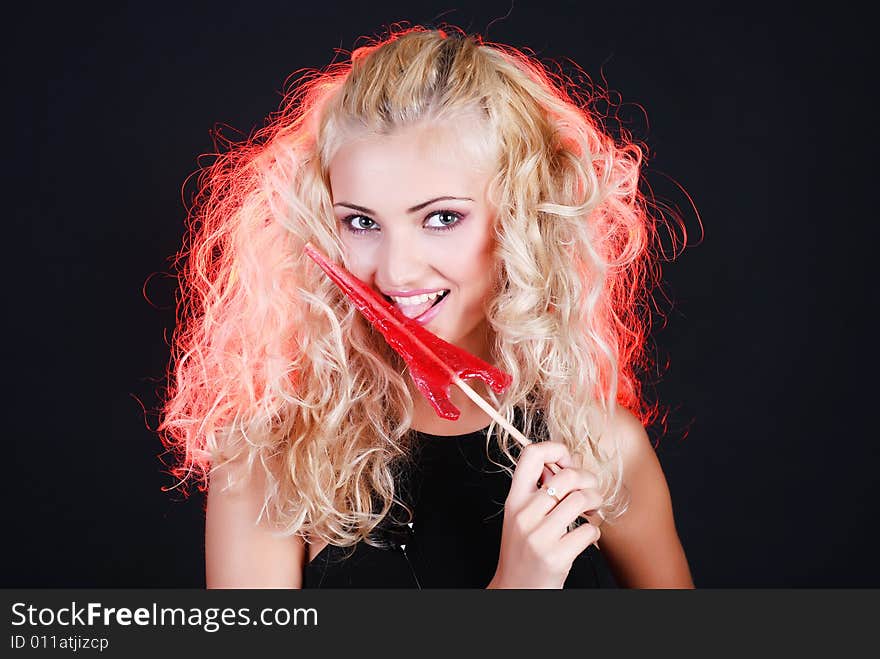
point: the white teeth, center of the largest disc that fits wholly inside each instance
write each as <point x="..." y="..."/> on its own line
<point x="415" y="299"/>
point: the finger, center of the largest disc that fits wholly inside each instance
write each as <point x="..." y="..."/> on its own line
<point x="567" y="480"/>
<point x="570" y="508"/>
<point x="575" y="542"/>
<point x="595" y="517"/>
<point x="576" y="460"/>
<point x="571" y="478"/>
<point x="530" y="467"/>
<point x="546" y="474"/>
<point x="555" y="489"/>
<point x="541" y="502"/>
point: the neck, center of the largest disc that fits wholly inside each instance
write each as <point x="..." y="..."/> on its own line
<point x="472" y="416"/>
<point x="478" y="342"/>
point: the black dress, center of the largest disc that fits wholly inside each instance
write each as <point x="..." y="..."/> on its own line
<point x="457" y="497"/>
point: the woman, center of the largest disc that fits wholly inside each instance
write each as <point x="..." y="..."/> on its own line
<point x="459" y="181"/>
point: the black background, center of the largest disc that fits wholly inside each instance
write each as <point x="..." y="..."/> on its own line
<point x="761" y="114"/>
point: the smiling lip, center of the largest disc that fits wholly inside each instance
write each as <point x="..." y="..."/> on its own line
<point x="420" y="291"/>
<point x="415" y="310"/>
<point x="432" y="311"/>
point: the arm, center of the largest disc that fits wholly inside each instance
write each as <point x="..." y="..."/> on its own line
<point x="643" y="549"/>
<point x="238" y="552"/>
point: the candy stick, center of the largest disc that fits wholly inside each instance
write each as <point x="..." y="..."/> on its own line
<point x="434" y="364"/>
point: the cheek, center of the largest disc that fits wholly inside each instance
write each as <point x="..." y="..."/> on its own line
<point x="471" y="264"/>
<point x="462" y="263"/>
<point x="475" y="253"/>
<point x="356" y="259"/>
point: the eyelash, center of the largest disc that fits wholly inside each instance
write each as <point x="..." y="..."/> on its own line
<point x="347" y="222"/>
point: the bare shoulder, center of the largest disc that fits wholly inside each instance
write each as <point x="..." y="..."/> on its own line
<point x="241" y="551"/>
<point x="642" y="547"/>
<point x="621" y="431"/>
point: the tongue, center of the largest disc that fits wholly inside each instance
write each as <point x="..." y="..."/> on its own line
<point x="414" y="310"/>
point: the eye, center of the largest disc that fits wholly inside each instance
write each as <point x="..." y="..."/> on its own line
<point x="367" y="225"/>
<point x="449" y="220"/>
<point x="361" y="224"/>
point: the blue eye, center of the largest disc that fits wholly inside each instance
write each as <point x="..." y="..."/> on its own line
<point x="452" y="220"/>
<point x="455" y="220"/>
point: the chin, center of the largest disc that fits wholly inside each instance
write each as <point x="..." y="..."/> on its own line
<point x="441" y="333"/>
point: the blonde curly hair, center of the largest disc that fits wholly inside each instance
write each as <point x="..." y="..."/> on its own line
<point x="272" y="366"/>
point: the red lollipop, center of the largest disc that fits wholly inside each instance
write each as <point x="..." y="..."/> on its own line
<point x="434" y="364"/>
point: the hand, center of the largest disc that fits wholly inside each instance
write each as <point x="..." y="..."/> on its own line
<point x="537" y="549"/>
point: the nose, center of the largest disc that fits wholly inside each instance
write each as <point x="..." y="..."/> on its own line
<point x="401" y="264"/>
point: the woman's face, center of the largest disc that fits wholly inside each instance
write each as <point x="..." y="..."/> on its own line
<point x="412" y="216"/>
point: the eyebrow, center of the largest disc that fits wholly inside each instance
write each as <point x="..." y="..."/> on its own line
<point x="414" y="209"/>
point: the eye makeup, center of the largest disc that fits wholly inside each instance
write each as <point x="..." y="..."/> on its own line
<point x="347" y="222"/>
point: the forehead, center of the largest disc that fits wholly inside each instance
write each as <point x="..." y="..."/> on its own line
<point x="410" y="163"/>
